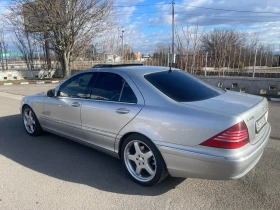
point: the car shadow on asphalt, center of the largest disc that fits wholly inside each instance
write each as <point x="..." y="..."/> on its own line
<point x="69" y="161"/>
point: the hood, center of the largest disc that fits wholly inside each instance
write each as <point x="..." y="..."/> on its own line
<point x="230" y="102"/>
<point x="40" y="94"/>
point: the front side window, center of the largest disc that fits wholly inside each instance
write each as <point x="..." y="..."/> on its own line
<point x="182" y="87"/>
<point x="76" y="87"/>
<point x="112" y="87"/>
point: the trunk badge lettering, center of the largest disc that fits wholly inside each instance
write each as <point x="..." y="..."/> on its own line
<point x="251" y="118"/>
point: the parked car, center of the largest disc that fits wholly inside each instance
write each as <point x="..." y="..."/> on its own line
<point x="156" y="120"/>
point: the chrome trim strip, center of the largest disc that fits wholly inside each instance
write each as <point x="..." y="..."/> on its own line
<point x="83" y="128"/>
<point x="62" y="122"/>
<point x="99" y="132"/>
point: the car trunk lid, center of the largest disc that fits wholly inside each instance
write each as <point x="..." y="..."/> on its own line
<point x="252" y="109"/>
<point x="256" y="120"/>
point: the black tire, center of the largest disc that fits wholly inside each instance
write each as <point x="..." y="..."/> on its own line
<point x="159" y="167"/>
<point x="37" y="129"/>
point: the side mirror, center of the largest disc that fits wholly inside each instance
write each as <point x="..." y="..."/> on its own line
<point x="50" y="93"/>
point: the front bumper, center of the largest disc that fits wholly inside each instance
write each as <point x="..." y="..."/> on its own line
<point x="190" y="164"/>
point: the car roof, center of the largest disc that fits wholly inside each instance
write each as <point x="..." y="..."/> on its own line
<point x="132" y="70"/>
<point x="103" y="65"/>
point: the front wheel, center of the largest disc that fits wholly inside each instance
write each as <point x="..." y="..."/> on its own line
<point x="30" y="121"/>
<point x="142" y="160"/>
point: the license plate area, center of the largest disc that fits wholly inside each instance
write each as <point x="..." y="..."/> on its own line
<point x="261" y="122"/>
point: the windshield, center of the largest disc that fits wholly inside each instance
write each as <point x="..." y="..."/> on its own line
<point x="182" y="87"/>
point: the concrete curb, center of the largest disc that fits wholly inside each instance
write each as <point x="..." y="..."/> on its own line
<point x="31" y="83"/>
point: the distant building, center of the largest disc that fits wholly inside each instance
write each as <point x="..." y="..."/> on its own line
<point x="111" y="58"/>
<point x="145" y="55"/>
<point x="137" y="56"/>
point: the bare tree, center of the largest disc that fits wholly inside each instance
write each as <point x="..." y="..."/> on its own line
<point x="161" y="54"/>
<point x="3" y="50"/>
<point x="224" y="44"/>
<point x="188" y="46"/>
<point x="22" y="39"/>
<point x="69" y="26"/>
<point x="23" y="43"/>
<point x="179" y="48"/>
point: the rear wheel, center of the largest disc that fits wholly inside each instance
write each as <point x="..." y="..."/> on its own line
<point x="142" y="160"/>
<point x="30" y="121"/>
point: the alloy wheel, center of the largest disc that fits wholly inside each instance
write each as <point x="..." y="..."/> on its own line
<point x="29" y="120"/>
<point x="140" y="161"/>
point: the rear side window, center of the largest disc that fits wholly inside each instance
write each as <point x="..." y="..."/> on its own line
<point x="112" y="87"/>
<point x="182" y="87"/>
<point x="128" y="95"/>
<point x="107" y="87"/>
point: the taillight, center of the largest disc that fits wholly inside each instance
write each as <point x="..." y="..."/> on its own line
<point x="232" y="138"/>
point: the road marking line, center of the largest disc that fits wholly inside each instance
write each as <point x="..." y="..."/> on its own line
<point x="24" y="83"/>
<point x="8" y="83"/>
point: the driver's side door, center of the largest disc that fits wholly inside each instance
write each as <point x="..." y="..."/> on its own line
<point x="62" y="112"/>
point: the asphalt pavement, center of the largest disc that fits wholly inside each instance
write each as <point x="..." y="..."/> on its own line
<point x="51" y="172"/>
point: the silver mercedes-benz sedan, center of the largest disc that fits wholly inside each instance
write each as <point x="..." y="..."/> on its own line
<point x="157" y="121"/>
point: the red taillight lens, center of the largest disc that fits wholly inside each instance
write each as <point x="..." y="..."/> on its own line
<point x="232" y="138"/>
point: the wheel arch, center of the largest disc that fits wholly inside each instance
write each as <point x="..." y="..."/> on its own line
<point x="25" y="105"/>
<point x="121" y="141"/>
<point x="28" y="105"/>
<point x="35" y="103"/>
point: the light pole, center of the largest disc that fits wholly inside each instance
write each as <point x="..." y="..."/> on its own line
<point x="122" y="43"/>
<point x="255" y="60"/>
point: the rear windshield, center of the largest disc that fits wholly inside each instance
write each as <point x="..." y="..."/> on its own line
<point x="182" y="87"/>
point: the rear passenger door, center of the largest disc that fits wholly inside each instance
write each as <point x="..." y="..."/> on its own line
<point x="114" y="101"/>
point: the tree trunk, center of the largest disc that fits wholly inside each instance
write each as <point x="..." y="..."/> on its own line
<point x="2" y="62"/>
<point x="65" y="65"/>
<point x="6" y="61"/>
<point x="2" y="56"/>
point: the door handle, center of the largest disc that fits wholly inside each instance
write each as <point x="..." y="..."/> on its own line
<point x="122" y="111"/>
<point x="75" y="104"/>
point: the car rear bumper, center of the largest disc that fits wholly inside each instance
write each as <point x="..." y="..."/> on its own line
<point x="189" y="164"/>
